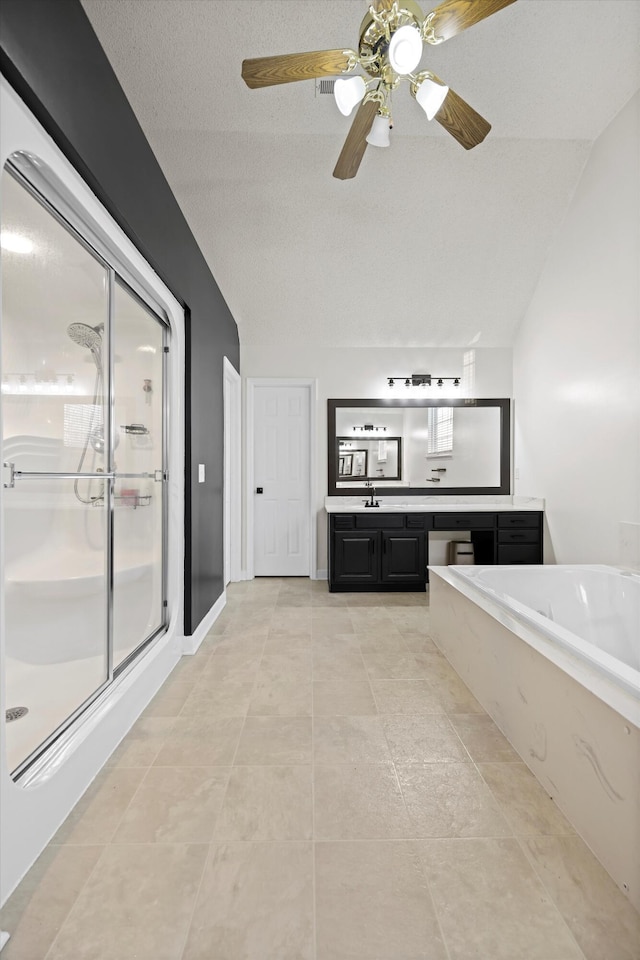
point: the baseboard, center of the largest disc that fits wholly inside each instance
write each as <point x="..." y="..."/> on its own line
<point x="191" y="643"/>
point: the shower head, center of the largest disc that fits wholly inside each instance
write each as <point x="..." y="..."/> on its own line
<point x="86" y="336"/>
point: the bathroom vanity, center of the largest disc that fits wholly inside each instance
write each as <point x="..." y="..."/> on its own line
<point x="387" y="547"/>
<point x="438" y="465"/>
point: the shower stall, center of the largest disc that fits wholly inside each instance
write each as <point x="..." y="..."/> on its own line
<point x="84" y="448"/>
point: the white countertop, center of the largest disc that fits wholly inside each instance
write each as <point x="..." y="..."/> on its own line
<point x="429" y="504"/>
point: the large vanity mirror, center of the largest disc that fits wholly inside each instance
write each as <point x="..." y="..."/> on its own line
<point x="419" y="447"/>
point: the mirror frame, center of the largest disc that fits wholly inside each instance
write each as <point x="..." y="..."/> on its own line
<point x="504" y="487"/>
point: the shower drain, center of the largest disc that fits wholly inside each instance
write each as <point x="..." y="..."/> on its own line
<point x="15" y="713"/>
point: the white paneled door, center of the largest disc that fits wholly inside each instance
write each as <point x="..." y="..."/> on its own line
<point x="282" y="480"/>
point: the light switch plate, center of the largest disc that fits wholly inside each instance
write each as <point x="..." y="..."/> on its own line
<point x="201" y="473"/>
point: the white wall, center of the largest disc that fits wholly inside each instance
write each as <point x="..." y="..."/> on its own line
<point x="362" y="372"/>
<point x="577" y="362"/>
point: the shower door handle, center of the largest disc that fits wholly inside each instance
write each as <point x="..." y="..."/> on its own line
<point x="11" y="482"/>
<point x="37" y="475"/>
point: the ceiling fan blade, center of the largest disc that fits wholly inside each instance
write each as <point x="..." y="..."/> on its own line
<point x="462" y="121"/>
<point x="356" y="142"/>
<point x="454" y="16"/>
<point x="289" y="67"/>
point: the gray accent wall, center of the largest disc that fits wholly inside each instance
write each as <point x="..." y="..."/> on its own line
<point x="51" y="56"/>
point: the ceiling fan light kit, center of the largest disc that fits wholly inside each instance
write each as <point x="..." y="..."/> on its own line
<point x="348" y="93"/>
<point x="392" y="35"/>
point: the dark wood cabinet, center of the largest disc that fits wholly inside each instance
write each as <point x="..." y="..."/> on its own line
<point x="390" y="551"/>
<point x="377" y="551"/>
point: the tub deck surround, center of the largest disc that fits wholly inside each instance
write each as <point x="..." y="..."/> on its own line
<point x="573" y="725"/>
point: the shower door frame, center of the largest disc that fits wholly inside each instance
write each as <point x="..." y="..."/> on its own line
<point x="72" y="218"/>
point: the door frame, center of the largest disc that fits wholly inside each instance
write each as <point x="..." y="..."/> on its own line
<point x="311" y="385"/>
<point x="232" y="490"/>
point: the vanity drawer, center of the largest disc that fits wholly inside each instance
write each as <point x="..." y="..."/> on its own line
<point x="532" y="535"/>
<point x="518" y="519"/>
<point x="343" y="521"/>
<point x="464" y="521"/>
<point x="519" y="553"/>
<point x="379" y="521"/>
<point x="417" y="521"/>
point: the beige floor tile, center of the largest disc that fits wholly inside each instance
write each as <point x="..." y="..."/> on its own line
<point x="338" y="664"/>
<point x="34" y="914"/>
<point x="482" y="738"/>
<point x="142" y="744"/>
<point x="414" y="697"/>
<point x="529" y="810"/>
<point x="267" y="803"/>
<point x="291" y="622"/>
<point x="281" y="698"/>
<point x="349" y="740"/>
<point x="490" y="903"/>
<point x="169" y="700"/>
<point x="600" y="917"/>
<point x="275" y="740"/>
<point x="201" y="741"/>
<point x="242" y="667"/>
<point x="294" y="665"/>
<point x="453" y="695"/>
<point x="374" y="643"/>
<point x="284" y="642"/>
<point x="359" y="802"/>
<point x="450" y="800"/>
<point x="327" y="620"/>
<point x="343" y="698"/>
<point x="174" y="805"/>
<point x="410" y="620"/>
<point x="136" y="904"/>
<point x="189" y="667"/>
<point x="391" y="666"/>
<point x="219" y="698"/>
<point x="255" y="902"/>
<point x="423" y="739"/>
<point x="242" y="644"/>
<point x="97" y="814"/>
<point x="372" y="901"/>
<point x="336" y="642"/>
<point x="419" y="644"/>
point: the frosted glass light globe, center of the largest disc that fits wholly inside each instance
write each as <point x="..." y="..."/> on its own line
<point x="431" y="96"/>
<point x="405" y="49"/>
<point x="349" y="92"/>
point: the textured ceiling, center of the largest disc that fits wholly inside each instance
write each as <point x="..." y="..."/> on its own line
<point x="430" y="245"/>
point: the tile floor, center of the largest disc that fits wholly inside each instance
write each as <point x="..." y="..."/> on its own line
<point x="316" y="783"/>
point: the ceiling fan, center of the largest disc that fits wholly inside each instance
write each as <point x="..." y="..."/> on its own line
<point x="390" y="48"/>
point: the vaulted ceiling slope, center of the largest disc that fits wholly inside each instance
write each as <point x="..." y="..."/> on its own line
<point x="430" y="245"/>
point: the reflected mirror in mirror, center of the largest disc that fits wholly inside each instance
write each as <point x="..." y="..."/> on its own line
<point x="420" y="446"/>
<point x="369" y="459"/>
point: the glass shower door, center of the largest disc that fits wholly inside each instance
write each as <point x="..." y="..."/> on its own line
<point x="139" y="470"/>
<point x="55" y="521"/>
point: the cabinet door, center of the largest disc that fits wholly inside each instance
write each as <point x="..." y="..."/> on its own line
<point x="404" y="557"/>
<point x="355" y="557"/>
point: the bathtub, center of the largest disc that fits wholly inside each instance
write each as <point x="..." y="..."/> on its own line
<point x="591" y="613"/>
<point x="552" y="653"/>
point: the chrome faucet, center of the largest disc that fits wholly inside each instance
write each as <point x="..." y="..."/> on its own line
<point x="371" y="502"/>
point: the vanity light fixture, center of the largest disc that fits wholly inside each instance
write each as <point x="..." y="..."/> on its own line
<point x="422" y="380"/>
<point x="369" y="428"/>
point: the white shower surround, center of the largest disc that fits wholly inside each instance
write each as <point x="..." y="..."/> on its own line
<point x="33" y="809"/>
<point x="574" y="725"/>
